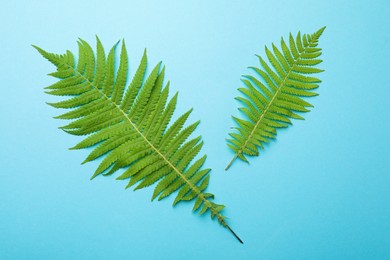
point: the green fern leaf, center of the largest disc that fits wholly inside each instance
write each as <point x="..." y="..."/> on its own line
<point x="128" y="126"/>
<point x="276" y="95"/>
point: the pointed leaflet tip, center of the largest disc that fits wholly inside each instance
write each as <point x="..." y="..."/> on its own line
<point x="93" y="177"/>
<point x="85" y="161"/>
<point x="127" y="186"/>
<point x="44" y="53"/>
<point x="123" y="49"/>
<point x="196" y="124"/>
<point x="254" y="68"/>
<point x="51" y="104"/>
<point x="167" y="85"/>
<point x="36" y="47"/>
<point x="320" y="31"/>
<point x="245" y="77"/>
<point x="176" y="94"/>
<point x="116" y="44"/>
<point x="40" y="50"/>
<point x="97" y="39"/>
<point x="82" y="42"/>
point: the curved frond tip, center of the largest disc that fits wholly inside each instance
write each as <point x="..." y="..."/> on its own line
<point x="129" y="125"/>
<point x="276" y="94"/>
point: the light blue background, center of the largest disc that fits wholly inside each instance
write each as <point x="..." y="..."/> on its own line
<point x="321" y="191"/>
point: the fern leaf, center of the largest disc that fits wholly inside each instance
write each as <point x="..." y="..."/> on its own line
<point x="129" y="126"/>
<point x="276" y="94"/>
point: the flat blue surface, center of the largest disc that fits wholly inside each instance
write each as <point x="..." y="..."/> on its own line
<point x="321" y="191"/>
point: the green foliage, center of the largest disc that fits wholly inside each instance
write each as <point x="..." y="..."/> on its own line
<point x="275" y="95"/>
<point x="129" y="127"/>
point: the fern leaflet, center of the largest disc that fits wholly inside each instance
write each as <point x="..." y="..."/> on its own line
<point x="271" y="101"/>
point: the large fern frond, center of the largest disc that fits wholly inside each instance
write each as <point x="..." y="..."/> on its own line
<point x="128" y="126"/>
<point x="273" y="97"/>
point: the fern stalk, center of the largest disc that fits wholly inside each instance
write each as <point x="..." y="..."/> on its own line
<point x="263" y="101"/>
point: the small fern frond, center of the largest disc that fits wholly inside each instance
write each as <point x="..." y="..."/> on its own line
<point x="276" y="94"/>
<point x="128" y="126"/>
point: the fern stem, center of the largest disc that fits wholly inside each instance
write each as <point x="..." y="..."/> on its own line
<point x="236" y="236"/>
<point x="230" y="164"/>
